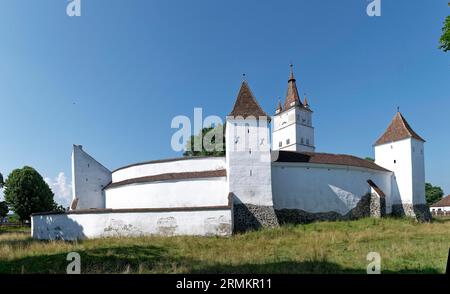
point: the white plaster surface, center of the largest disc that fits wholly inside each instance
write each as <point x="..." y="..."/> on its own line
<point x="249" y="161"/>
<point x="131" y="224"/>
<point x="323" y="188"/>
<point x="164" y="194"/>
<point x="89" y="178"/>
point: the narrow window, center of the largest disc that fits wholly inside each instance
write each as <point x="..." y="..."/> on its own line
<point x="288" y="141"/>
<point x="302" y="141"/>
<point x="280" y="144"/>
<point x="307" y="142"/>
<point x="395" y="161"/>
<point x="250" y="172"/>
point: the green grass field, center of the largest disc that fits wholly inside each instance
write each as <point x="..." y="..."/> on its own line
<point x="327" y="247"/>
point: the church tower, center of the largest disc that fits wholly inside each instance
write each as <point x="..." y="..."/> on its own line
<point x="248" y="162"/>
<point x="292" y="125"/>
<point x="401" y="150"/>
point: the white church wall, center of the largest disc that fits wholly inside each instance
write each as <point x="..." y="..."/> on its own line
<point x="132" y="224"/>
<point x="248" y="161"/>
<point x="323" y="188"/>
<point x="397" y="157"/>
<point x="89" y="178"/>
<point x="164" y="194"/>
<point x="418" y="172"/>
<point x="172" y="166"/>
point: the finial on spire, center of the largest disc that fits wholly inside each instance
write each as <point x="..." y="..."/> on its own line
<point x="291" y="76"/>
<point x="398" y="108"/>
<point x="243" y="76"/>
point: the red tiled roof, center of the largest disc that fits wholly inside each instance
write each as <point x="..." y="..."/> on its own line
<point x="399" y="129"/>
<point x="246" y="104"/>
<point x="170" y="176"/>
<point x="324" y="158"/>
<point x="445" y="201"/>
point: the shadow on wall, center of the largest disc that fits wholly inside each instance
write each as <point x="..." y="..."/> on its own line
<point x="57" y="227"/>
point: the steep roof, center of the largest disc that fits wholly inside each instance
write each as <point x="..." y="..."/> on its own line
<point x="324" y="158"/>
<point x="399" y="129"/>
<point x="445" y="201"/>
<point x="246" y="104"/>
<point x="292" y="97"/>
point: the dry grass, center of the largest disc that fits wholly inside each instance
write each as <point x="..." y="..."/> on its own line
<point x="328" y="247"/>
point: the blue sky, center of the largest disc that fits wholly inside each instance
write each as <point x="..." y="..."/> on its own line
<point x="113" y="78"/>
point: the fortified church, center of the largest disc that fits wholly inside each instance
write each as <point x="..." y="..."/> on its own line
<point x="254" y="185"/>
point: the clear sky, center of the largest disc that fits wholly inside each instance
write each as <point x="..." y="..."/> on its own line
<point x="113" y="78"/>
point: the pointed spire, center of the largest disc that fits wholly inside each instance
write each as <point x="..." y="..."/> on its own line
<point x="399" y="129"/>
<point x="279" y="107"/>
<point x="305" y="101"/>
<point x="292" y="97"/>
<point x="246" y="104"/>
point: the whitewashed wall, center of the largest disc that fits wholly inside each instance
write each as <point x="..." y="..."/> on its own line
<point x="174" y="166"/>
<point x="180" y="193"/>
<point x="406" y="159"/>
<point x="295" y="125"/>
<point x="132" y="224"/>
<point x="248" y="161"/>
<point x="442" y="208"/>
<point x="322" y="188"/>
<point x="89" y="178"/>
<point x="418" y="171"/>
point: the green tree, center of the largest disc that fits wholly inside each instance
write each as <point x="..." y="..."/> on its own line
<point x="26" y="192"/>
<point x="370" y="159"/>
<point x="1" y="181"/>
<point x="445" y="38"/>
<point x="433" y="193"/>
<point x="209" y="142"/>
<point x="3" y="209"/>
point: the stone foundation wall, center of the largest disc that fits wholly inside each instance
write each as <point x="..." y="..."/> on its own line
<point x="420" y="212"/>
<point x="377" y="206"/>
<point x="252" y="217"/>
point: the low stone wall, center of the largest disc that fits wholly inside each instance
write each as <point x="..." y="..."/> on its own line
<point x="252" y="217"/>
<point x="201" y="221"/>
<point x="419" y="211"/>
<point x="369" y="206"/>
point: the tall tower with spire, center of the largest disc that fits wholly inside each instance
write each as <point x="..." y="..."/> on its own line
<point x="292" y="123"/>
<point x="248" y="161"/>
